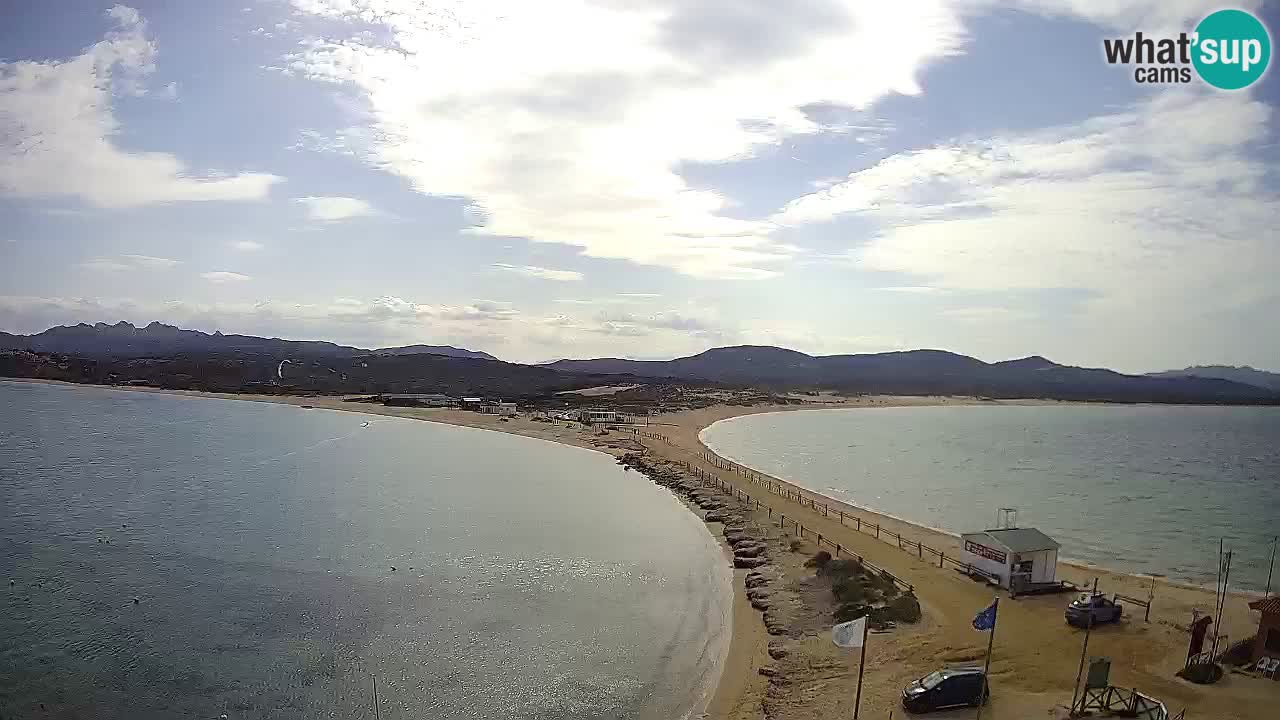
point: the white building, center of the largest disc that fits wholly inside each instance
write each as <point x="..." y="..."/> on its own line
<point x="1020" y="558"/>
<point x="506" y="409"/>
<point x="599" y="416"/>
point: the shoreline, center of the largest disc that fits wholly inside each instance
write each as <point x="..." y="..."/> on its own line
<point x="1075" y="563"/>
<point x="741" y="692"/>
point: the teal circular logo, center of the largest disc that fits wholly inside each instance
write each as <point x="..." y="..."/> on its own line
<point x="1232" y="49"/>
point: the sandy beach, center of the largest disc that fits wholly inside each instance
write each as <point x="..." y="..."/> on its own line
<point x="1036" y="655"/>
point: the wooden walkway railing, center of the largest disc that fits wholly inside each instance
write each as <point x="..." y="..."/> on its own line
<point x="845" y="517"/>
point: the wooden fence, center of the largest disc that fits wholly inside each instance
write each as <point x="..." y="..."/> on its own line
<point x="712" y="480"/>
<point x="848" y="519"/>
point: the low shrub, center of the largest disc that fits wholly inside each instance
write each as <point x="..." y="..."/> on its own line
<point x="819" y="560"/>
<point x="904" y="608"/>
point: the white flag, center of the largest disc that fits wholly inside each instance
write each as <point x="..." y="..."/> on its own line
<point x="849" y="635"/>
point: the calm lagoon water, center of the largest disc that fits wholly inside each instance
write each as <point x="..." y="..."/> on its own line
<point x="1146" y="489"/>
<point x="531" y="580"/>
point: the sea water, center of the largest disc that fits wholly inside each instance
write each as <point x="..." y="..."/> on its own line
<point x="169" y="557"/>
<point x="1138" y="488"/>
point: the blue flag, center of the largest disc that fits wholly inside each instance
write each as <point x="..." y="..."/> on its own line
<point x="986" y="619"/>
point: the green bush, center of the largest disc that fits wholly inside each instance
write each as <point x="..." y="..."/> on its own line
<point x="904" y="608"/>
<point x="852" y="611"/>
<point x="843" y="568"/>
<point x="819" y="560"/>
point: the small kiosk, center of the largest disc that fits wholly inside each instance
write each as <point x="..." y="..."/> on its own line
<point x="1019" y="559"/>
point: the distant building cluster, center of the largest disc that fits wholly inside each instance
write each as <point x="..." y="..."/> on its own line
<point x="587" y="416"/>
<point x="437" y="400"/>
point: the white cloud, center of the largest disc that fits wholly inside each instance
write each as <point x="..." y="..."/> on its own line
<point x="639" y="296"/>
<point x="331" y="209"/>
<point x="911" y="289"/>
<point x="150" y="261"/>
<point x="496" y="327"/>
<point x="580" y="141"/>
<point x="540" y="272"/>
<point x="223" y="276"/>
<point x="123" y="263"/>
<point x="105" y="265"/>
<point x="246" y="245"/>
<point x="57" y="130"/>
<point x="1156" y="212"/>
<point x="1151" y="16"/>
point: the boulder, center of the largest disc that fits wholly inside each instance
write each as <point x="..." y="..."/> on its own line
<point x="750" y="551"/>
<point x="749" y="562"/>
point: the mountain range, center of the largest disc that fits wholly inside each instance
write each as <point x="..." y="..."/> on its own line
<point x="159" y="353"/>
<point x="1241" y="374"/>
<point x="124" y="340"/>
<point x="917" y="372"/>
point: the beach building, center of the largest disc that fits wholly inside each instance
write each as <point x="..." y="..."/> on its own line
<point x="590" y="415"/>
<point x="506" y="409"/>
<point x="471" y="403"/>
<point x="1267" y="642"/>
<point x="420" y="399"/>
<point x="1019" y="559"/>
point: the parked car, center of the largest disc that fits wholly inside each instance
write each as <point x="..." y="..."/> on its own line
<point x="940" y="689"/>
<point x="1100" y="607"/>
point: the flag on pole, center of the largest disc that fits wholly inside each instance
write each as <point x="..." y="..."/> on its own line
<point x="986" y="619"/>
<point x="850" y="634"/>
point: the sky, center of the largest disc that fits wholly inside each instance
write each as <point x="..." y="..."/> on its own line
<point x="640" y="178"/>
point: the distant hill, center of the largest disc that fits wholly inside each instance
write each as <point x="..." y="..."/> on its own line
<point x="924" y="372"/>
<point x="172" y="357"/>
<point x="323" y="374"/>
<point x="446" y="350"/>
<point x="124" y="340"/>
<point x="1242" y="374"/>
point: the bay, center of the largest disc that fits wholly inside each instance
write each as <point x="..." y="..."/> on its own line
<point x="283" y="560"/>
<point x="1137" y="488"/>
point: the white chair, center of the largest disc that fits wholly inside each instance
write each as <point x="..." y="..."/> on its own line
<point x="1268" y="667"/>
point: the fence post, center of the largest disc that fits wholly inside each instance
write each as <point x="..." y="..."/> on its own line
<point x="837" y="549"/>
<point x="920" y="550"/>
<point x="941" y="556"/>
<point x="859" y="519"/>
<point x="877" y="531"/>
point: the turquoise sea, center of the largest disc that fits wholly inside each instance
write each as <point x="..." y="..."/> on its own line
<point x="1144" y="489"/>
<point x="171" y="557"/>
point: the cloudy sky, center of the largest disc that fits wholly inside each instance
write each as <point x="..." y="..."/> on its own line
<point x="639" y="178"/>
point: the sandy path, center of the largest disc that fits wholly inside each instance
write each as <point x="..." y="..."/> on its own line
<point x="1036" y="654"/>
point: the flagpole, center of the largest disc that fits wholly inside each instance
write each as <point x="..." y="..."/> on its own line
<point x="990" y="642"/>
<point x="862" y="662"/>
<point x="1084" y="649"/>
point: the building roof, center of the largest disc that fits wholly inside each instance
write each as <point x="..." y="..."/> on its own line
<point x="1022" y="539"/>
<point x="1267" y="605"/>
